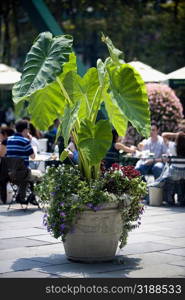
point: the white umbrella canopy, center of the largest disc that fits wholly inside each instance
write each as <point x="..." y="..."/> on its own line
<point x="8" y="76"/>
<point x="147" y="73"/>
<point x="176" y="78"/>
<point x="178" y="74"/>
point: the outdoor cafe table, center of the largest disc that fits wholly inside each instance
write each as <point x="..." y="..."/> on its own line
<point x="42" y="160"/>
<point x="128" y="159"/>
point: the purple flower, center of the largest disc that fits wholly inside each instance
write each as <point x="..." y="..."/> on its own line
<point x="90" y="205"/>
<point x="61" y="203"/>
<point x="62" y="214"/>
<point x="44" y="221"/>
<point x="48" y="228"/>
<point x="98" y="207"/>
<point x="62" y="226"/>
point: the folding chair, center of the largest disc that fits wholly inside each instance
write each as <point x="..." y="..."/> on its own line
<point x="14" y="171"/>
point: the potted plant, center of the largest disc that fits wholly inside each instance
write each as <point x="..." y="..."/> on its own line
<point x="51" y="87"/>
<point x="91" y="217"/>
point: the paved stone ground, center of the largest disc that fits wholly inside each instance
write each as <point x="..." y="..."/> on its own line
<point x="154" y="250"/>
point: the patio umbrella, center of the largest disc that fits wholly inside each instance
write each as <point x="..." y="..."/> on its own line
<point x="176" y="78"/>
<point x="148" y="73"/>
<point x="8" y="76"/>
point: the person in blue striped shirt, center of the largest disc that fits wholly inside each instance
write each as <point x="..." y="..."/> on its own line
<point x="19" y="145"/>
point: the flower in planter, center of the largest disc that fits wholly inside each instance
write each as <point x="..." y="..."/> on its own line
<point x="120" y="184"/>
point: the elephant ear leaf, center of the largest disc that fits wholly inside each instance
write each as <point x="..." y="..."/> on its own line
<point x="115" y="114"/>
<point x="129" y="91"/>
<point x="94" y="140"/>
<point x="46" y="105"/>
<point x="68" y="120"/>
<point x="43" y="63"/>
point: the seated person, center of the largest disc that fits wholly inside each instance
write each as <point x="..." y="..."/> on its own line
<point x="175" y="171"/>
<point x="72" y="152"/>
<point x="181" y="126"/>
<point x="112" y="155"/>
<point x="5" y="132"/>
<point x="51" y="135"/>
<point x="19" y="145"/>
<point x="157" y="147"/>
<point x="141" y="144"/>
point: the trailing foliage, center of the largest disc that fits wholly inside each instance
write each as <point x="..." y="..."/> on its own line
<point x="68" y="196"/>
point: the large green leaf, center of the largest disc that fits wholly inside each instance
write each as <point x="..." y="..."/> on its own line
<point x="84" y="89"/>
<point x="91" y="91"/>
<point x="94" y="140"/>
<point x="129" y="91"/>
<point x="72" y="83"/>
<point x="70" y="65"/>
<point x="46" y="105"/>
<point x="68" y="120"/>
<point x="116" y="115"/>
<point x="43" y="63"/>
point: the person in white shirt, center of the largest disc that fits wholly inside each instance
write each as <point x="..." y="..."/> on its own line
<point x="156" y="146"/>
<point x="175" y="170"/>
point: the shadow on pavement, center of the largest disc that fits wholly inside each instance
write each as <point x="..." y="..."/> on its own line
<point x="18" y="211"/>
<point x="59" y="266"/>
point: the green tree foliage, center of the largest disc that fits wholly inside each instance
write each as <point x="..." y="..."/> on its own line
<point x="150" y="30"/>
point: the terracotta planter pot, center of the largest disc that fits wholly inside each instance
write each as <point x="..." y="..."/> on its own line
<point x="96" y="235"/>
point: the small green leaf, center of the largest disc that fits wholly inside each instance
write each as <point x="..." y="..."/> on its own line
<point x="63" y="155"/>
<point x="68" y="120"/>
<point x="115" y="53"/>
<point x="95" y="140"/>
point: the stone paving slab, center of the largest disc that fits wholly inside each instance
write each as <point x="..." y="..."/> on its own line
<point x="20" y="242"/>
<point x="147" y="237"/>
<point x="27" y="274"/>
<point x="80" y="270"/>
<point x="19" y="265"/>
<point x="145" y="247"/>
<point x="155" y="249"/>
<point x="179" y="251"/>
<point x="14" y="233"/>
<point x="164" y="271"/>
<point x="159" y="258"/>
<point x="45" y="238"/>
<point x="170" y="233"/>
<point x="34" y="252"/>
